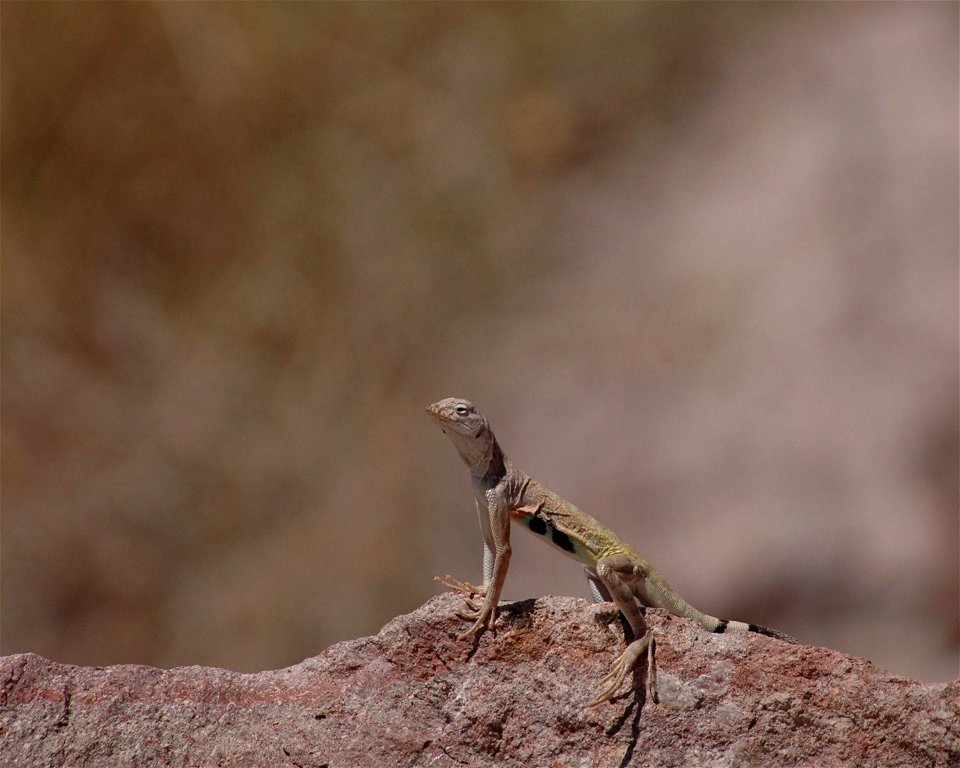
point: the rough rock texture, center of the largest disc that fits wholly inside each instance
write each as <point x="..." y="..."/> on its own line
<point x="415" y="696"/>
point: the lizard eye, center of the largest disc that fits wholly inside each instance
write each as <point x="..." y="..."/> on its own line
<point x="462" y="410"/>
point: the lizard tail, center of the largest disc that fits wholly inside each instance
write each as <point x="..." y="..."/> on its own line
<point x="664" y="597"/>
<point x="722" y="625"/>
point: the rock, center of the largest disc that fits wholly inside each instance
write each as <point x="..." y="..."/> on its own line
<point x="416" y="696"/>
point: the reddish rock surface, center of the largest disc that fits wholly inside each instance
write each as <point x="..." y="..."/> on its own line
<point x="415" y="696"/>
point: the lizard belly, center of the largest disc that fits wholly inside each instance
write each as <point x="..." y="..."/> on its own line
<point x="569" y="545"/>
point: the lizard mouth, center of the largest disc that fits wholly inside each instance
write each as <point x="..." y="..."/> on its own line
<point x="437" y="415"/>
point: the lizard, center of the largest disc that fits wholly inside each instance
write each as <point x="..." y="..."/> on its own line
<point x="616" y="572"/>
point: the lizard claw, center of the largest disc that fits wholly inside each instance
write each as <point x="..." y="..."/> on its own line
<point x="482" y="615"/>
<point x="611" y="681"/>
<point x="483" y="618"/>
<point x="624" y="664"/>
<point x="470" y="593"/>
<point x="473" y="614"/>
<point x="476" y="629"/>
<point x="463" y="587"/>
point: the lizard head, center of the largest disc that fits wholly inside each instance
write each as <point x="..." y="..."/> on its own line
<point x="470" y="434"/>
<point x="456" y="416"/>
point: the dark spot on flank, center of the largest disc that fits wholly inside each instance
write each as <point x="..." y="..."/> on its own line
<point x="537" y="525"/>
<point x="722" y="626"/>
<point x="756" y="628"/>
<point x="561" y="540"/>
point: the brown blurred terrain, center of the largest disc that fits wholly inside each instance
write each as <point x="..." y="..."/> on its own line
<point x="697" y="263"/>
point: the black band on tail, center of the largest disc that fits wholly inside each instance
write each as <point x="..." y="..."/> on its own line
<point x="773" y="633"/>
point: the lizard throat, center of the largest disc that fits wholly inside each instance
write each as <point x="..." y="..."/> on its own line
<point x="482" y="454"/>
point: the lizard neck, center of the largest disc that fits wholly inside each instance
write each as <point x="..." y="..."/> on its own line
<point x="482" y="455"/>
<point x="495" y="461"/>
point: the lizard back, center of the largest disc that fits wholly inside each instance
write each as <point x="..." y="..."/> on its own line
<point x="564" y="526"/>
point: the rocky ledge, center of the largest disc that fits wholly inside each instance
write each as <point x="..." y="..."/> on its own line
<point x="414" y="695"/>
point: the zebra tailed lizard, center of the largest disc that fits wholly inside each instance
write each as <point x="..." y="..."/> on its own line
<point x="614" y="570"/>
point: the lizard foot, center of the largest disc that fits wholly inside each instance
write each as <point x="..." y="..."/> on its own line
<point x="483" y="618"/>
<point x="624" y="664"/>
<point x="482" y="615"/>
<point x="463" y="587"/>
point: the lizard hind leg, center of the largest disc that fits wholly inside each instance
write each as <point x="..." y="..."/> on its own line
<point x="598" y="591"/>
<point x="624" y="664"/>
<point x="619" y="574"/>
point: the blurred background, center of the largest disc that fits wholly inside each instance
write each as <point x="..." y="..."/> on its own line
<point x="698" y="264"/>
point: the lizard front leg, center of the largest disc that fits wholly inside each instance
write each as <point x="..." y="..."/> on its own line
<point x="495" y="525"/>
<point x="471" y="592"/>
<point x="620" y="575"/>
